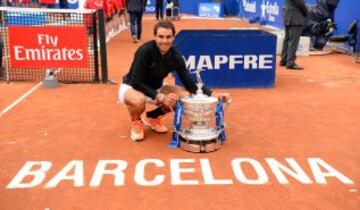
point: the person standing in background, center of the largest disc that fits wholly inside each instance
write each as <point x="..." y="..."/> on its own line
<point x="295" y="13"/>
<point x="159" y="8"/>
<point x="63" y="4"/>
<point x="136" y="10"/>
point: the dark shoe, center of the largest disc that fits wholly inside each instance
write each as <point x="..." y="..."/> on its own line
<point x="282" y="63"/>
<point x="294" y="67"/>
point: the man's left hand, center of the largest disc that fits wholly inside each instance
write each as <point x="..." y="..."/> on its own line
<point x="224" y="97"/>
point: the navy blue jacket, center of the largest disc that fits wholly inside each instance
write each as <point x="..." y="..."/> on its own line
<point x="136" y="5"/>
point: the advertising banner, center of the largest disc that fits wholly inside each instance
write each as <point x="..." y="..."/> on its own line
<point x="229" y="58"/>
<point x="213" y="10"/>
<point x="191" y="6"/>
<point x="150" y="6"/>
<point x="48" y="47"/>
<point x="249" y="9"/>
<point x="271" y="13"/>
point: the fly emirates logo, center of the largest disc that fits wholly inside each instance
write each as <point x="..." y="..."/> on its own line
<point x="48" y="46"/>
<point x="47" y="50"/>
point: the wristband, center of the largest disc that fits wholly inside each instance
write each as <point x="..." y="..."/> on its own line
<point x="161" y="97"/>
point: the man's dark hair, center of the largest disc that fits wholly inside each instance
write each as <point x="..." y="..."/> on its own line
<point x="164" y="24"/>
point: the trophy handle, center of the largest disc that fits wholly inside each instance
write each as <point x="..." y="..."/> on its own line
<point x="199" y="83"/>
<point x="199" y="88"/>
<point x="198" y="77"/>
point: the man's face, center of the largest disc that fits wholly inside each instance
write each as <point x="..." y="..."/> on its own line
<point x="164" y="39"/>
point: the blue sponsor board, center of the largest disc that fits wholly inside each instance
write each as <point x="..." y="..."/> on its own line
<point x="229" y="58"/>
<point x="249" y="9"/>
<point x="271" y="13"/>
<point x="213" y="10"/>
<point x="150" y="6"/>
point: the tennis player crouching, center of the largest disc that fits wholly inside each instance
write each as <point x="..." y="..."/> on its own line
<point x="153" y="61"/>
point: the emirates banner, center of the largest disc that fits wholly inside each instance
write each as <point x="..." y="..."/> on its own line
<point x="48" y="47"/>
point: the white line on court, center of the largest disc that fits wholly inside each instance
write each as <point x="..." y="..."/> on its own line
<point x="20" y="99"/>
<point x="24" y="95"/>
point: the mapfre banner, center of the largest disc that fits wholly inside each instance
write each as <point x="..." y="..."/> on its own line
<point x="48" y="47"/>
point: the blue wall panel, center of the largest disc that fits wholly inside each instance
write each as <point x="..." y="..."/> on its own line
<point x="229" y="58"/>
<point x="269" y="12"/>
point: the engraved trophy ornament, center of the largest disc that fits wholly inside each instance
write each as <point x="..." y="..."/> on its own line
<point x="200" y="110"/>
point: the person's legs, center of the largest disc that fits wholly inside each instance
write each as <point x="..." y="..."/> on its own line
<point x="135" y="102"/>
<point x="294" y="38"/>
<point x="166" y="89"/>
<point x="180" y="91"/>
<point x="152" y="118"/>
<point x="157" y="10"/>
<point x="132" y="25"/>
<point x="139" y="25"/>
<point x="285" y="47"/>
<point x="161" y="10"/>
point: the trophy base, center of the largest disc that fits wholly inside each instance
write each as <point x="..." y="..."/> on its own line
<point x="200" y="146"/>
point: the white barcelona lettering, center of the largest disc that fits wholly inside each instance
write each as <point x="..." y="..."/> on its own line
<point x="181" y="172"/>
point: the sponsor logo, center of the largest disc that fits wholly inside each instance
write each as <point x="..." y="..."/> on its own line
<point x="150" y="6"/>
<point x="175" y="172"/>
<point x="230" y="62"/>
<point x="249" y="6"/>
<point x="206" y="8"/>
<point x="209" y="10"/>
<point x="216" y="8"/>
<point x="269" y="10"/>
<point x="46" y="47"/>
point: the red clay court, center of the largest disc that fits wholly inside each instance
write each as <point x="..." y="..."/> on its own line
<point x="294" y="146"/>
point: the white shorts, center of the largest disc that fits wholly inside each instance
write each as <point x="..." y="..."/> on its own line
<point x="125" y="87"/>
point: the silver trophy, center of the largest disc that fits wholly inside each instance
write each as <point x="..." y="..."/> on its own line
<point x="200" y="110"/>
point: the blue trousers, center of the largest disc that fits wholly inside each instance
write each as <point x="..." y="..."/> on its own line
<point x="136" y="24"/>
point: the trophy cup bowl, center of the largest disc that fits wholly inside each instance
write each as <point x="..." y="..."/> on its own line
<point x="199" y="109"/>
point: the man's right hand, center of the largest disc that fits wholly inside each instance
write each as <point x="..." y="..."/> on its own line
<point x="170" y="99"/>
